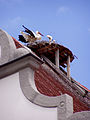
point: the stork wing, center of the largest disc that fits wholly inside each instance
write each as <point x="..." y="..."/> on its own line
<point x="22" y="39"/>
<point x="29" y="31"/>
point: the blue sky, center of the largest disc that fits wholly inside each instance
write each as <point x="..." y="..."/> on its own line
<point x="68" y="21"/>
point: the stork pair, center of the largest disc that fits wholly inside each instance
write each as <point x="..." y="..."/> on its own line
<point x="29" y="36"/>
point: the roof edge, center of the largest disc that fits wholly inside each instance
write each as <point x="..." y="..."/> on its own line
<point x="19" y="63"/>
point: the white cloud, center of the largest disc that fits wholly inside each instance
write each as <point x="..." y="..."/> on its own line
<point x="62" y="10"/>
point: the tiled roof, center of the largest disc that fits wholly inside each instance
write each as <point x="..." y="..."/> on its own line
<point x="83" y="87"/>
<point x="18" y="45"/>
<point x="49" y="84"/>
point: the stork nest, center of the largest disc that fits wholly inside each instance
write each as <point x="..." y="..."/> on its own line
<point x="48" y="50"/>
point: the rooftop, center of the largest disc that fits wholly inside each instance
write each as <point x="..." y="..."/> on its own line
<point x="49" y="77"/>
<point x="48" y="50"/>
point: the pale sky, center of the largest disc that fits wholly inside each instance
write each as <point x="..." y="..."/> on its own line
<point x="68" y="21"/>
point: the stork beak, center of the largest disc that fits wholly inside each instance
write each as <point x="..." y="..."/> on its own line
<point x="40" y="34"/>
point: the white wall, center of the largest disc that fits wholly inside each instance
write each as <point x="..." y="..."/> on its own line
<point x="15" y="106"/>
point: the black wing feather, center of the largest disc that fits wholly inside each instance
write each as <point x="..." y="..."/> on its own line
<point x="22" y="39"/>
<point x="28" y="31"/>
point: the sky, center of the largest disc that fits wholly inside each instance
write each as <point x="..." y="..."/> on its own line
<point x="67" y="21"/>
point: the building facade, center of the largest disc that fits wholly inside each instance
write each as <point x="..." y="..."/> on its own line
<point x="33" y="87"/>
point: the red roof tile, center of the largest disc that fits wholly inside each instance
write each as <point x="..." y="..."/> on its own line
<point x="18" y="44"/>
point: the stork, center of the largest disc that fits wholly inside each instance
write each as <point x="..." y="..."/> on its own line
<point x="53" y="41"/>
<point x="50" y="39"/>
<point x="30" y="36"/>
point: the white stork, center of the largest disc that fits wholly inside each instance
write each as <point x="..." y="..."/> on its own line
<point x="50" y="39"/>
<point x="30" y="36"/>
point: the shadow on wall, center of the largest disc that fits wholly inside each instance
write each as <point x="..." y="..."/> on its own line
<point x="85" y="115"/>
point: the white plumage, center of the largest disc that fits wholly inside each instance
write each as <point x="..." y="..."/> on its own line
<point x="38" y="35"/>
<point x="50" y="39"/>
<point x="29" y="36"/>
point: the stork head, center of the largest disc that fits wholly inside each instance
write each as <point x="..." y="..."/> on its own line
<point x="50" y="37"/>
<point x="37" y="32"/>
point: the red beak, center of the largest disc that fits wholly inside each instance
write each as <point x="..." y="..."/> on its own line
<point x="40" y="34"/>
